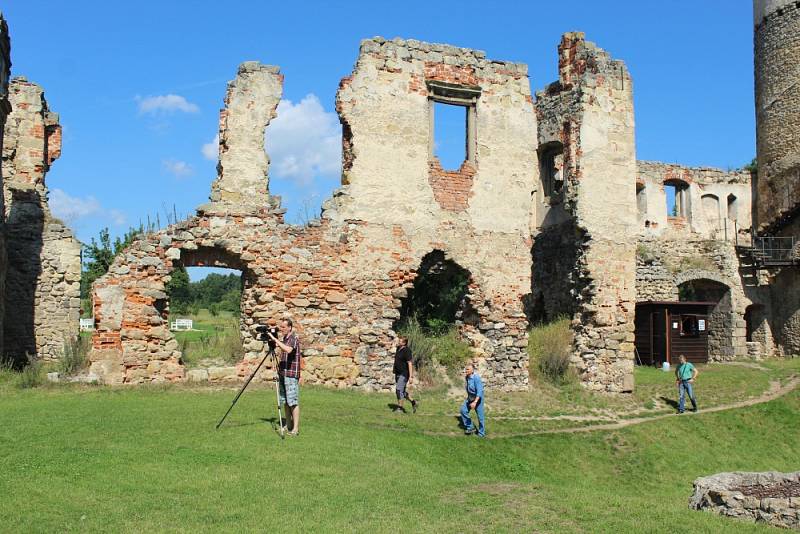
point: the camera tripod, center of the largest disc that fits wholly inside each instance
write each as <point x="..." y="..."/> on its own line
<point x="270" y="353"/>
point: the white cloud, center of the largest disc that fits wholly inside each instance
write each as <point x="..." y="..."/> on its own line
<point x="180" y="169"/>
<point x="71" y="209"/>
<point x="210" y="150"/>
<point x="304" y="141"/>
<point x="161" y="104"/>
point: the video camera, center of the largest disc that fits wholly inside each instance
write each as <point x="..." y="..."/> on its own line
<point x="263" y="329"/>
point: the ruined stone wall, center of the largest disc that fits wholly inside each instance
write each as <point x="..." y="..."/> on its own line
<point x="589" y="113"/>
<point x="479" y="214"/>
<point x="43" y="280"/>
<point x="242" y="168"/>
<point x="342" y="280"/>
<point x="777" y="75"/>
<point x="662" y="266"/>
<point x="719" y="202"/>
<point x="5" y="109"/>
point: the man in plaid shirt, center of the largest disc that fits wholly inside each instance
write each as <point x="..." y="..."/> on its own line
<point x="289" y="368"/>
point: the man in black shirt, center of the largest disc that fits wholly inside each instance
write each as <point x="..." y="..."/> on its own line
<point x="403" y="374"/>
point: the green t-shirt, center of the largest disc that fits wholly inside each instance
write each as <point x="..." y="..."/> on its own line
<point x="685" y="371"/>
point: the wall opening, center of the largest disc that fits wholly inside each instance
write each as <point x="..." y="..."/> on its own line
<point x="452" y="113"/>
<point x="207" y="288"/>
<point x="551" y="170"/>
<point x="733" y="208"/>
<point x="439" y="299"/>
<point x="721" y="318"/>
<point x="641" y="201"/>
<point x="450" y="134"/>
<point x="677" y="194"/>
<point x="755" y="320"/>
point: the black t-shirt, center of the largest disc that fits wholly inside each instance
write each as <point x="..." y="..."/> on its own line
<point x="401" y="360"/>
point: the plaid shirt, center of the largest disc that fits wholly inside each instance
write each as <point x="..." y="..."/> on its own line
<point x="289" y="364"/>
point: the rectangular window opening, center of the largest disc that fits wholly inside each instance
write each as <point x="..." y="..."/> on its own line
<point x="450" y="134"/>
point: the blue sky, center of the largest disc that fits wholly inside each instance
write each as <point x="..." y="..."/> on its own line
<point x="139" y="85"/>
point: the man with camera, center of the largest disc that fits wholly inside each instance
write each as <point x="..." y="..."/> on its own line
<point x="289" y="368"/>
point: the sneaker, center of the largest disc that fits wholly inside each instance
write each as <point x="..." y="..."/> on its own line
<point x="469" y="431"/>
<point x="293" y="433"/>
<point x="398" y="410"/>
<point x="413" y="406"/>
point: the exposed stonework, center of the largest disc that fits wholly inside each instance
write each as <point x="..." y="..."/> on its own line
<point x="344" y="279"/>
<point x="5" y="109"/>
<point x="771" y="497"/>
<point x="250" y="104"/>
<point x="43" y="280"/>
<point x="777" y="73"/>
<point x="587" y="115"/>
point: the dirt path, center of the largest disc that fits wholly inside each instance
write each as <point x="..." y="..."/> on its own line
<point x="775" y="391"/>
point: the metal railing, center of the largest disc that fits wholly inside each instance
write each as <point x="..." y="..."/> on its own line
<point x="769" y="250"/>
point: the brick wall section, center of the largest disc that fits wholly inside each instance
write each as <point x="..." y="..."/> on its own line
<point x="43" y="280"/>
<point x="777" y="70"/>
<point x="451" y="189"/>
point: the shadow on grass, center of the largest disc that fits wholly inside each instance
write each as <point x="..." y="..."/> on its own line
<point x="670" y="402"/>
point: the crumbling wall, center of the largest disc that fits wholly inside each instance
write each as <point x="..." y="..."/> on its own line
<point x="719" y="202"/>
<point x="479" y="214"/>
<point x="42" y="297"/>
<point x="589" y="113"/>
<point x="777" y="70"/>
<point x="250" y="105"/>
<point x="344" y="278"/>
<point x="5" y="109"/>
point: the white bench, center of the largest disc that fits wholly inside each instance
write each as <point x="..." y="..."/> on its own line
<point x="87" y="324"/>
<point x="181" y="324"/>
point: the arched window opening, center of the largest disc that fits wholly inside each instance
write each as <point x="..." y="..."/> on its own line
<point x="677" y="194"/>
<point x="641" y="200"/>
<point x="733" y="208"/>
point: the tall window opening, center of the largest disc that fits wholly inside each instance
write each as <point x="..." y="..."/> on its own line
<point x="452" y="123"/>
<point x="711" y="210"/>
<point x="551" y="169"/>
<point x="677" y="193"/>
<point x="641" y="201"/>
<point x="450" y="134"/>
<point x="733" y="208"/>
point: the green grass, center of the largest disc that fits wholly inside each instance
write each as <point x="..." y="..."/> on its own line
<point x="212" y="336"/>
<point x="149" y="459"/>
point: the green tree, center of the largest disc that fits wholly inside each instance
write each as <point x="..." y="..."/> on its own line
<point x="99" y="255"/>
<point x="179" y="290"/>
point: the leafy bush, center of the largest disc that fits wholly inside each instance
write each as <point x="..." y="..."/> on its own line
<point x="74" y="356"/>
<point x="549" y="348"/>
<point x="432" y="347"/>
<point x="32" y="375"/>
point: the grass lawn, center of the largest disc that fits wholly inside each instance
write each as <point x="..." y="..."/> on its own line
<point x="212" y="337"/>
<point x="144" y="459"/>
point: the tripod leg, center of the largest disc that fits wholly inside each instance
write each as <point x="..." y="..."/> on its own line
<point x="242" y="391"/>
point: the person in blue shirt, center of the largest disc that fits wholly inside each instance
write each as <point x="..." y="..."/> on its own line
<point x="685" y="375"/>
<point x="474" y="401"/>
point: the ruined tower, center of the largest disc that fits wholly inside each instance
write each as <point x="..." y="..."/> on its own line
<point x="777" y="77"/>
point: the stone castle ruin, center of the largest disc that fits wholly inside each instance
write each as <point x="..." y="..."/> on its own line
<point x="549" y="214"/>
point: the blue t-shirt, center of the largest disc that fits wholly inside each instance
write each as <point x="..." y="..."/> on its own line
<point x="685" y="371"/>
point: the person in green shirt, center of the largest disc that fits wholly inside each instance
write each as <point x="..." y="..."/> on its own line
<point x="685" y="375"/>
